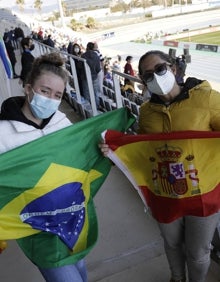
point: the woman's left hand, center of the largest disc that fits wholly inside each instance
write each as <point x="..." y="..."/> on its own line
<point x="104" y="148"/>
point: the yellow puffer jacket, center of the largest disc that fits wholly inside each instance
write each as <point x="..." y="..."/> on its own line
<point x="198" y="110"/>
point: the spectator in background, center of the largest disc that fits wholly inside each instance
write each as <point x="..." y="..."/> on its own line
<point x="63" y="48"/>
<point x="6" y="34"/>
<point x="40" y="35"/>
<point x="10" y="35"/>
<point x="181" y="65"/>
<point x="117" y="64"/>
<point x="34" y="35"/>
<point x="102" y="63"/>
<point x="19" y="35"/>
<point x="128" y="87"/>
<point x="77" y="51"/>
<point x="70" y="47"/>
<point x="12" y="38"/>
<point x="27" y="58"/>
<point x="101" y="58"/>
<point x="108" y="75"/>
<point x="49" y="41"/>
<point x="128" y="69"/>
<point x="11" y="54"/>
<point x="93" y="60"/>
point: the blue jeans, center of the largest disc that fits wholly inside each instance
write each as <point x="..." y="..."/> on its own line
<point x="96" y="88"/>
<point x="187" y="241"/>
<point x="68" y="273"/>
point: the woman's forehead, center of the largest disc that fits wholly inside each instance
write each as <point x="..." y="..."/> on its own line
<point x="50" y="80"/>
<point x="151" y="61"/>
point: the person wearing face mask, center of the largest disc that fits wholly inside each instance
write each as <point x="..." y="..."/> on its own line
<point x="27" y="118"/>
<point x="77" y="52"/>
<point x="191" y="106"/>
<point x="27" y="58"/>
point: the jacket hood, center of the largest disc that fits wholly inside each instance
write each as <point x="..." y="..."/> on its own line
<point x="191" y="82"/>
<point x="11" y="108"/>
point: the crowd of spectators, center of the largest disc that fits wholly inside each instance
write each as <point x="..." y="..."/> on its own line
<point x="73" y="44"/>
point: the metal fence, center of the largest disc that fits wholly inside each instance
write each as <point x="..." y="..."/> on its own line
<point x="112" y="97"/>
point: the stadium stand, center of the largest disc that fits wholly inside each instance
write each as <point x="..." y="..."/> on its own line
<point x="112" y="98"/>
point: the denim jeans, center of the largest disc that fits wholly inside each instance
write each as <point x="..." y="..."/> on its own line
<point x="96" y="88"/>
<point x="187" y="241"/>
<point x="68" y="273"/>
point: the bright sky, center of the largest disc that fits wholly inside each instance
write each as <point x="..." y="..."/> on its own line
<point x="29" y="4"/>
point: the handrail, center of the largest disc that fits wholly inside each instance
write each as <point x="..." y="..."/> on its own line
<point x="73" y="94"/>
<point x="42" y="48"/>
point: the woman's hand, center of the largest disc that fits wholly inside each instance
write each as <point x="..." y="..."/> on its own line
<point x="104" y="148"/>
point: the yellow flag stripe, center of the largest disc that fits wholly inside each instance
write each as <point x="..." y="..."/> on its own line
<point x="11" y="225"/>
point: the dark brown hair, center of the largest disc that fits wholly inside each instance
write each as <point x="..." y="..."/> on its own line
<point x="158" y="53"/>
<point x="25" y="42"/>
<point x="51" y="62"/>
<point x="90" y="46"/>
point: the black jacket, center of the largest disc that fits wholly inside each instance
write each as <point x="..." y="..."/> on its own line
<point x="93" y="61"/>
<point x="27" y="60"/>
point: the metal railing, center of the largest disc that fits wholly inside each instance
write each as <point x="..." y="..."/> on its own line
<point x="111" y="98"/>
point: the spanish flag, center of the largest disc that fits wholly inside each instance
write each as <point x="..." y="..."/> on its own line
<point x="47" y="188"/>
<point x="175" y="174"/>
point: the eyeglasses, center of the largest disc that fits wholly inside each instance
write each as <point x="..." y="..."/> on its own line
<point x="159" y="70"/>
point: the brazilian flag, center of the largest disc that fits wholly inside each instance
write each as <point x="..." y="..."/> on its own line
<point x="47" y="188"/>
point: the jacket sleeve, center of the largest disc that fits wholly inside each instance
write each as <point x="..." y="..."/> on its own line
<point x="214" y="105"/>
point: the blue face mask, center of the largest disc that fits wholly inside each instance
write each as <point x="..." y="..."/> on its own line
<point x="43" y="107"/>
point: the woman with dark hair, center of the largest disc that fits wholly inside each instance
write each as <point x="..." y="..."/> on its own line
<point x="128" y="69"/>
<point x="77" y="52"/>
<point x="191" y="106"/>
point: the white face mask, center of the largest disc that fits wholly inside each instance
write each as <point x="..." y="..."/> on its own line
<point x="76" y="50"/>
<point x="43" y="107"/>
<point x="161" y="84"/>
